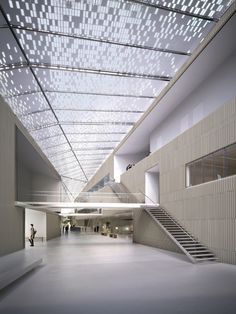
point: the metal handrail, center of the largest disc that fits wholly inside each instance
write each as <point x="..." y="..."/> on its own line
<point x="172" y="219"/>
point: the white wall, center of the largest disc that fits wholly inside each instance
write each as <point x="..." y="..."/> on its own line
<point x="151" y="187"/>
<point x="38" y="219"/>
<point x="122" y="161"/>
<point x="212" y="93"/>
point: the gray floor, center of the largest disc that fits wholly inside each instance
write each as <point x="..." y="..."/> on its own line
<point x="94" y="274"/>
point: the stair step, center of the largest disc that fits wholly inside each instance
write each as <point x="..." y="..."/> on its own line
<point x="179" y="233"/>
<point x="184" y="239"/>
<point x="176" y="232"/>
<point x="198" y="252"/>
<point x="180" y="239"/>
<point x="180" y="236"/>
<point x="206" y="259"/>
<point x="198" y="249"/>
<point x="163" y="218"/>
<point x="194" y="245"/>
<point x="170" y="225"/>
<point x="203" y="255"/>
<point x="184" y="235"/>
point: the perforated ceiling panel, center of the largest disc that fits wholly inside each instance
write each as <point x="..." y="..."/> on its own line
<point x="80" y="74"/>
<point x="69" y="81"/>
<point x="2" y="20"/>
<point x="79" y="53"/>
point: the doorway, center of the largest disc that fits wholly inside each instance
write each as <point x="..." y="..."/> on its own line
<point x="152" y="185"/>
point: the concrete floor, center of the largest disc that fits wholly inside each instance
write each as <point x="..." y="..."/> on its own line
<point x="92" y="274"/>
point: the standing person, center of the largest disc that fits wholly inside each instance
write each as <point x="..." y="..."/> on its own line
<point x="32" y="235"/>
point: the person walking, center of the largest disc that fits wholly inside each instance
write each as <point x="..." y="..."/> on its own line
<point x="32" y="235"/>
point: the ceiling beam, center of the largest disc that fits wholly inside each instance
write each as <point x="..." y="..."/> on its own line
<point x="94" y="148"/>
<point x="80" y="123"/>
<point x="81" y="110"/>
<point x="37" y="80"/>
<point x="82" y="93"/>
<point x="79" y="133"/>
<point x="58" y="67"/>
<point x="82" y="142"/>
<point x="174" y="10"/>
<point x="73" y="179"/>
<point x="100" y="40"/>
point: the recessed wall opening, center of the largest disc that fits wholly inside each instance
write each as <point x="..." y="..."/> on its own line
<point x="38" y="219"/>
<point x="123" y="163"/>
<point x="215" y="166"/>
<point x="152" y="185"/>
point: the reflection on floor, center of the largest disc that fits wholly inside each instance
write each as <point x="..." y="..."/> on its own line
<point x="88" y="274"/>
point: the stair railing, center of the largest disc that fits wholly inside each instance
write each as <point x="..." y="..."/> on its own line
<point x="170" y="217"/>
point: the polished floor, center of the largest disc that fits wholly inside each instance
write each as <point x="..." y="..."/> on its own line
<point x="93" y="274"/>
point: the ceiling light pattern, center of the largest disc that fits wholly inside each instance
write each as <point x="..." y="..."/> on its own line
<point x="81" y="152"/>
<point x="112" y="20"/>
<point x="76" y="171"/>
<point x="59" y="163"/>
<point x="44" y="133"/>
<point x="91" y="68"/>
<point x="10" y="52"/>
<point x="213" y="8"/>
<point x="93" y="129"/>
<point x="17" y="81"/>
<point x="109" y="117"/>
<point x="73" y="187"/>
<point x="77" y="53"/>
<point x="26" y="104"/>
<point x="65" y="156"/>
<point x="70" y="167"/>
<point x="41" y="119"/>
<point x="2" y="20"/>
<point x="53" y="150"/>
<point x="74" y="101"/>
<point x="77" y="146"/>
<point x="52" y="141"/>
<point x="54" y="80"/>
<point x="74" y="138"/>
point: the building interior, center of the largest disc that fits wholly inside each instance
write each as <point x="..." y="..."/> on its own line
<point x="117" y="156"/>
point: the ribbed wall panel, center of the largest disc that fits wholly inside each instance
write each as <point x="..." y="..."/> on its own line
<point x="208" y="210"/>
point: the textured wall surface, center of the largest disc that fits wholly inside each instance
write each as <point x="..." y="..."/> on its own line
<point x="147" y="232"/>
<point x="53" y="226"/>
<point x="208" y="210"/>
<point x="11" y="218"/>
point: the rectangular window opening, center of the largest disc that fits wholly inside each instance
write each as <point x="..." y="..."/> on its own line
<point x="217" y="165"/>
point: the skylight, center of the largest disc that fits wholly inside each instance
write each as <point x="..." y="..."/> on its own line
<point x="80" y="74"/>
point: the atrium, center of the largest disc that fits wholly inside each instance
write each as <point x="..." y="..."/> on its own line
<point x="117" y="156"/>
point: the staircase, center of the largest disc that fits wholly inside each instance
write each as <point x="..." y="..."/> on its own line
<point x="123" y="193"/>
<point x="195" y="251"/>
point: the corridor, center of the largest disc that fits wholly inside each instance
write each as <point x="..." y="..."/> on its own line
<point x="94" y="274"/>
